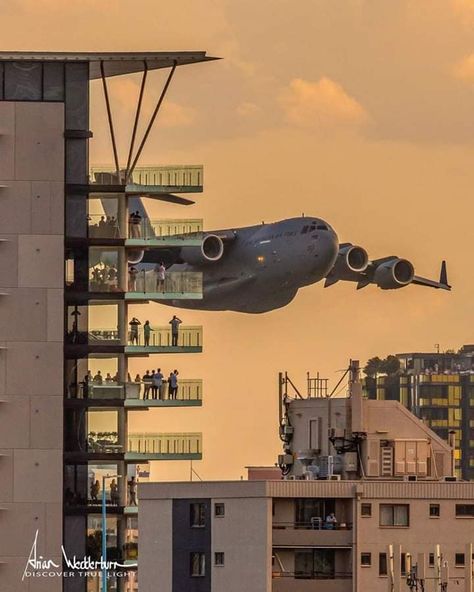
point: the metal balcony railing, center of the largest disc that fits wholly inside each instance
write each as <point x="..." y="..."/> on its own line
<point x="175" y="282"/>
<point x="165" y="443"/>
<point x="158" y="230"/>
<point x="314" y="524"/>
<point x="313" y="575"/>
<point x="188" y="336"/>
<point x="188" y="390"/>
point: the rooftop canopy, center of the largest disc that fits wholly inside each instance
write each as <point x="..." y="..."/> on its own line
<point x="115" y="63"/>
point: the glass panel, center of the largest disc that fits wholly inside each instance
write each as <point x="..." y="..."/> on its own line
<point x="103" y="270"/>
<point x="103" y="218"/>
<point x="53" y="81"/>
<point x="324" y="563"/>
<point x="80" y="383"/>
<point x="165" y="443"/>
<point x="84" y="324"/>
<point x="160" y="281"/>
<point x="386" y="515"/>
<point x="400" y="516"/>
<point x="163" y="337"/>
<point x="163" y="176"/>
<point x="304" y="564"/>
<point x="131" y="539"/>
<point x="163" y="229"/>
<point x="102" y="433"/>
<point x="94" y="537"/>
<point x="23" y="81"/>
<point x="148" y="387"/>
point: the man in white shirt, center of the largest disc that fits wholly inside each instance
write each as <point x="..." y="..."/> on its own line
<point x="160" y="271"/>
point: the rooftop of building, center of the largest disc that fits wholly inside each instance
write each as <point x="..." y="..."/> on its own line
<point x="115" y="63"/>
<point x="300" y="488"/>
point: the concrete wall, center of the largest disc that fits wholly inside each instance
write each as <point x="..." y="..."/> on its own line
<point x="31" y="335"/>
<point x="155" y="524"/>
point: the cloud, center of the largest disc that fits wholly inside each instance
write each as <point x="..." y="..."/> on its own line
<point x="322" y="104"/>
<point x="176" y="115"/>
<point x="464" y="70"/>
<point x="248" y="109"/>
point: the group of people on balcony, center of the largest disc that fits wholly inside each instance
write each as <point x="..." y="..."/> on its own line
<point x="106" y="227"/>
<point x="155" y="385"/>
<point x="103" y="278"/>
<point x="134" y="336"/>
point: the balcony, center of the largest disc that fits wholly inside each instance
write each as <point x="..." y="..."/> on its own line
<point x="144" y="447"/>
<point x="142" y="395"/>
<point x="161" y="340"/>
<point x="288" y="534"/>
<point x="177" y="285"/>
<point x="290" y="582"/>
<point x="165" y="233"/>
<point x="154" y="180"/>
<point x="147" y="232"/>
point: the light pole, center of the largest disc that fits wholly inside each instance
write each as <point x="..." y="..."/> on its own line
<point x="104" y="532"/>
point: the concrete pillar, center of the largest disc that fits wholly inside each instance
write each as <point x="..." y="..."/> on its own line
<point x="122" y="215"/>
<point x="468" y="568"/>
<point x="397" y="568"/>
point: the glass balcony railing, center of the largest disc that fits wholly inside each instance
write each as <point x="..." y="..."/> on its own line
<point x="102" y="226"/>
<point x="165" y="444"/>
<point x="145" y="390"/>
<point x="172" y="177"/>
<point x="175" y="284"/>
<point x="165" y="230"/>
<point x="188" y="336"/>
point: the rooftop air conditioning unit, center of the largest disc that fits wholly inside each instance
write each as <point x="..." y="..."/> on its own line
<point x="334" y="477"/>
<point x="291" y="478"/>
<point x="450" y="479"/>
<point x="410" y="477"/>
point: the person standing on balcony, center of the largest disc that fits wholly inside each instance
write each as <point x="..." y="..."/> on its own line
<point x="175" y="323"/>
<point x="134" y="323"/>
<point x="160" y="271"/>
<point x="132" y="492"/>
<point x="114" y="492"/>
<point x="146" y="333"/>
<point x="331" y="521"/>
<point x="147" y="380"/>
<point x="95" y="490"/>
<point x="132" y="278"/>
<point x="158" y="385"/>
<point x="135" y="221"/>
<point x="173" y="388"/>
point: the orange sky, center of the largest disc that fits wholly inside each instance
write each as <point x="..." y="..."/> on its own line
<point x="360" y="112"/>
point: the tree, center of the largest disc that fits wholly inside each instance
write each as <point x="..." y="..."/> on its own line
<point x="391" y="365"/>
<point x="373" y="367"/>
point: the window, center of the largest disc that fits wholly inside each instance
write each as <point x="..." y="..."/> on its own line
<point x="403" y="564"/>
<point x="459" y="559"/>
<point x="197" y="564"/>
<point x="383" y="571"/>
<point x="219" y="510"/>
<point x="434" y="511"/>
<point x="465" y="510"/>
<point x="366" y="559"/>
<point x="431" y="560"/>
<point x="366" y="510"/>
<point x="219" y="558"/>
<point x="198" y="515"/>
<point x="394" y="515"/>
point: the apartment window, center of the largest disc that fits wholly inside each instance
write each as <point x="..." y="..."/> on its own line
<point x="434" y="511"/>
<point x="394" y="515"/>
<point x="219" y="510"/>
<point x="366" y="559"/>
<point x="198" y="515"/>
<point x="219" y="558"/>
<point x="403" y="564"/>
<point x="366" y="510"/>
<point x="459" y="559"/>
<point x="383" y="571"/>
<point x="197" y="564"/>
<point x="465" y="510"/>
<point x="431" y="560"/>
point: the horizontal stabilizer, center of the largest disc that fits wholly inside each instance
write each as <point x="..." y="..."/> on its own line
<point x="441" y="285"/>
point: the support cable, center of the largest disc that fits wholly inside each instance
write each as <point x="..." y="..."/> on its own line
<point x="111" y="124"/>
<point x="153" y="117"/>
<point x="137" y="118"/>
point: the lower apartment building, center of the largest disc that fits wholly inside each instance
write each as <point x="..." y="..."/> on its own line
<point x="272" y="536"/>
<point x="368" y="497"/>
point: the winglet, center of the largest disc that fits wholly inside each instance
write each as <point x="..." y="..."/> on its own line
<point x="443" y="276"/>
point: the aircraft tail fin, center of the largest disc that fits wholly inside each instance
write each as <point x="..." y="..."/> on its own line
<point x="443" y="276"/>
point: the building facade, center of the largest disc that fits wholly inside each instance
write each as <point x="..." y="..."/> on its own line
<point x="368" y="498"/>
<point x="438" y="388"/>
<point x="68" y="247"/>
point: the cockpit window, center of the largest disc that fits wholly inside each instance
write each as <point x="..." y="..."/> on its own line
<point x="322" y="227"/>
<point x="305" y="229"/>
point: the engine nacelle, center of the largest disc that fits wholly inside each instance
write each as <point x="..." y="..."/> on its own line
<point x="351" y="260"/>
<point x="135" y="256"/>
<point x="393" y="274"/>
<point x="210" y="251"/>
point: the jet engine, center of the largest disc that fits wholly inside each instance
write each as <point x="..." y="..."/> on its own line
<point x="351" y="260"/>
<point x="135" y="256"/>
<point x="394" y="273"/>
<point x="210" y="251"/>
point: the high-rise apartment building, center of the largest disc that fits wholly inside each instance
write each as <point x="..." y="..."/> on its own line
<point x="68" y="250"/>
<point x="438" y="388"/>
